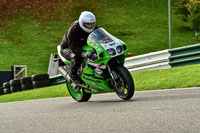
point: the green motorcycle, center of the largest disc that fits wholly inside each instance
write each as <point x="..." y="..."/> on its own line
<point x="103" y="71"/>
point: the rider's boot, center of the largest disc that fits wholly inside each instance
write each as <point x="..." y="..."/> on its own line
<point x="74" y="64"/>
<point x="74" y="76"/>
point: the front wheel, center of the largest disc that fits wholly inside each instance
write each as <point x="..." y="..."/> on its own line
<point x="80" y="96"/>
<point x="125" y="86"/>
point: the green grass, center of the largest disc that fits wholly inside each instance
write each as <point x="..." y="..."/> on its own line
<point x="47" y="92"/>
<point x="180" y="77"/>
<point x="142" y="24"/>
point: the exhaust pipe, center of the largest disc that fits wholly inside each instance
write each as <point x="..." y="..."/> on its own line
<point x="66" y="76"/>
<point x="64" y="73"/>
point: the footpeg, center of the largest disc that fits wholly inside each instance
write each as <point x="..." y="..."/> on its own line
<point x="75" y="87"/>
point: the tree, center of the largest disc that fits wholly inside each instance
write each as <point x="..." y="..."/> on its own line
<point x="189" y="11"/>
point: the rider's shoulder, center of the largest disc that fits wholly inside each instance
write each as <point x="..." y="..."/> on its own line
<point x="75" y="24"/>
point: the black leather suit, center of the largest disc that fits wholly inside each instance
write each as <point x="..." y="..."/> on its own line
<point x="71" y="44"/>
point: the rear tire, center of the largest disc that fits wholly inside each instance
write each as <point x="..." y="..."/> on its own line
<point x="6" y="85"/>
<point x="41" y="83"/>
<point x="40" y="77"/>
<point x="27" y="86"/>
<point x="16" y="88"/>
<point x="15" y="82"/>
<point x="26" y="80"/>
<point x="1" y="91"/>
<point x="80" y="96"/>
<point x="126" y="88"/>
<point x="7" y="90"/>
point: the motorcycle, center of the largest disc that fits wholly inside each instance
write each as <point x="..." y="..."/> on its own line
<point x="103" y="71"/>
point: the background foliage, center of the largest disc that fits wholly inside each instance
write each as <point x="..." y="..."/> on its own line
<point x="189" y="11"/>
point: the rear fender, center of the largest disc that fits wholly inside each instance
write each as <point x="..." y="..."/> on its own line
<point x="67" y="62"/>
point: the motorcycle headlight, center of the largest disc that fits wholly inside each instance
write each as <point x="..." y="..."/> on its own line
<point x="94" y="57"/>
<point x="111" y="51"/>
<point x="119" y="49"/>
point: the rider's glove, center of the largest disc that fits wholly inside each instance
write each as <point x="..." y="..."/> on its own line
<point x="86" y="54"/>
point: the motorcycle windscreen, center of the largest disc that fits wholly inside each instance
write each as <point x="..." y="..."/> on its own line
<point x="101" y="36"/>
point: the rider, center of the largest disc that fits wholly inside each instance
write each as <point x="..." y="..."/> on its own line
<point x="74" y="39"/>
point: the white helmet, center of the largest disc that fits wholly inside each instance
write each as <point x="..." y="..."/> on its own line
<point x="87" y="21"/>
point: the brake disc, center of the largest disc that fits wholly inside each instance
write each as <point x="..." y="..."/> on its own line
<point x="120" y="84"/>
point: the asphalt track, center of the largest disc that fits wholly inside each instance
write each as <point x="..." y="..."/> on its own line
<point x="168" y="111"/>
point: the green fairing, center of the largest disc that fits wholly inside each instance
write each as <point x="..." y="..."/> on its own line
<point x="88" y="70"/>
<point x="67" y="62"/>
<point x="121" y="58"/>
<point x="97" y="83"/>
<point x="87" y="48"/>
<point x="94" y="80"/>
<point x="100" y="60"/>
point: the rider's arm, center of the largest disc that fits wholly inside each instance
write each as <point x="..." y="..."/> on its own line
<point x="64" y="43"/>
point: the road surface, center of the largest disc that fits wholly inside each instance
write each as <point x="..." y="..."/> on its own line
<point x="173" y="110"/>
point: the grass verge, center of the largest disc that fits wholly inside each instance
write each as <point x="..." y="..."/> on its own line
<point x="180" y="77"/>
<point x="30" y="35"/>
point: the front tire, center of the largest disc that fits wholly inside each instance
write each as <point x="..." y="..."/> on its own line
<point x="125" y="86"/>
<point x="80" y="96"/>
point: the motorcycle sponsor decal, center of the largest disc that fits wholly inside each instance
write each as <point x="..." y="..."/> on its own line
<point x="97" y="81"/>
<point x="92" y="76"/>
<point x="105" y="46"/>
<point x="94" y="44"/>
<point x="112" y="44"/>
<point x="98" y="71"/>
<point x="99" y="49"/>
<point x="97" y="46"/>
<point x="98" y="90"/>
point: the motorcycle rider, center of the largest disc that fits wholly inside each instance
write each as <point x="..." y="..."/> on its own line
<point x="74" y="39"/>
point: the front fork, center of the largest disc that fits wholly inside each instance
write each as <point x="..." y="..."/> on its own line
<point x="113" y="76"/>
<point x="115" y="81"/>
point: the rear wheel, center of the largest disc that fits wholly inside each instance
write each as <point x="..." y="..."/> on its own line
<point x="80" y="95"/>
<point x="125" y="86"/>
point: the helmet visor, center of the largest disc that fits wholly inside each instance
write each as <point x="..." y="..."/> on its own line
<point x="89" y="25"/>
